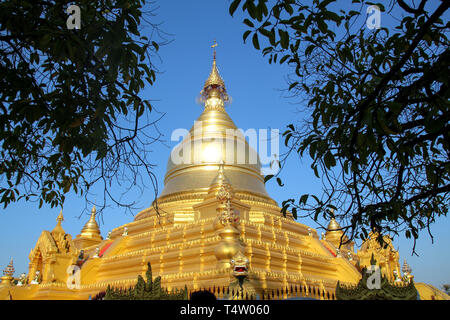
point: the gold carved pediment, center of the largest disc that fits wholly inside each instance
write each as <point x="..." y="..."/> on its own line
<point x="45" y="245"/>
<point x="50" y="244"/>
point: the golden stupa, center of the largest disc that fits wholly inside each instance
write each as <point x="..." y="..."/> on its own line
<point x="214" y="207"/>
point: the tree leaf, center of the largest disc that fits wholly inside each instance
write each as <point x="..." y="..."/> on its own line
<point x="233" y="6"/>
<point x="249" y="23"/>
<point x="268" y="177"/>
<point x="255" y="41"/>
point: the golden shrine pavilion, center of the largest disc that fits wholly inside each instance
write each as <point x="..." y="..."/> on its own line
<point x="210" y="211"/>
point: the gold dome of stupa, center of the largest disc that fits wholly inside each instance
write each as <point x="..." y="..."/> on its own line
<point x="333" y="226"/>
<point x="213" y="140"/>
<point x="91" y="228"/>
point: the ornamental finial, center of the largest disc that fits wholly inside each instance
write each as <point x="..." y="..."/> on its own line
<point x="221" y="180"/>
<point x="214" y="80"/>
<point x="214" y="86"/>
<point x="9" y="270"/>
<point x="60" y="217"/>
<point x="58" y="228"/>
<point x="214" y="48"/>
<point x="406" y="268"/>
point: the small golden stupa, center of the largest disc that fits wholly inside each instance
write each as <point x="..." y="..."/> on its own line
<point x="214" y="207"/>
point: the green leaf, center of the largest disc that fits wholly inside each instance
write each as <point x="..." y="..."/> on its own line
<point x="303" y="199"/>
<point x="316" y="172"/>
<point x="255" y="41"/>
<point x="249" y="23"/>
<point x="324" y="3"/>
<point x="233" y="6"/>
<point x="288" y="136"/>
<point x="431" y="175"/>
<point x="294" y="212"/>
<point x="272" y="37"/>
<point x="293" y="85"/>
<point x="322" y="26"/>
<point x="264" y="32"/>
<point x="284" y="58"/>
<point x="309" y="49"/>
<point x="288" y="8"/>
<point x="246" y="34"/>
<point x="316" y="213"/>
<point x="284" y="38"/>
<point x="329" y="160"/>
<point x="280" y="183"/>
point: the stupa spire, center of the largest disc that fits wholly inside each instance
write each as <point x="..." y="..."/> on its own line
<point x="91" y="229"/>
<point x="214" y="87"/>
<point x="58" y="228"/>
<point x="406" y="268"/>
<point x="90" y="234"/>
<point x="9" y="270"/>
<point x="214" y="49"/>
<point x="214" y="78"/>
<point x="334" y="233"/>
<point x="333" y="225"/>
<point x="8" y="274"/>
<point x="221" y="179"/>
<point x="199" y="165"/>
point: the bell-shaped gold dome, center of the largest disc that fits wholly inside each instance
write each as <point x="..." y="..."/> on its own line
<point x="333" y="226"/>
<point x="91" y="229"/>
<point x="213" y="140"/>
<point x="334" y="233"/>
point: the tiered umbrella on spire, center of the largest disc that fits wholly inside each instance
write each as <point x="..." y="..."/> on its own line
<point x="8" y="273"/>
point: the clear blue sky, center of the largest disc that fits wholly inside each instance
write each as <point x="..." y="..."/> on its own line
<point x="258" y="103"/>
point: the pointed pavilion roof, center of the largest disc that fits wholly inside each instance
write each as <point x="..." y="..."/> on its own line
<point x="58" y="228"/>
<point x="221" y="178"/>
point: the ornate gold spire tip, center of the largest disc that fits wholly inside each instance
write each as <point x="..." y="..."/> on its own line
<point x="60" y="217"/>
<point x="214" y="48"/>
<point x="221" y="179"/>
<point x="214" y="79"/>
<point x="58" y="228"/>
<point x="9" y="270"/>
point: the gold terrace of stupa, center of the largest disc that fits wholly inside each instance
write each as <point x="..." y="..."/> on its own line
<point x="208" y="212"/>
